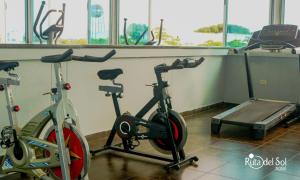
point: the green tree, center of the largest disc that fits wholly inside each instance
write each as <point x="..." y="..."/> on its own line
<point x="72" y="41"/>
<point x="166" y="39"/>
<point x="211" y="43"/>
<point x="237" y="43"/>
<point x="99" y="41"/>
<point x="218" y="28"/>
<point x="134" y="31"/>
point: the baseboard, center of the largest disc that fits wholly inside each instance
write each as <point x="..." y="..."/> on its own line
<point x="105" y="134"/>
<point x="205" y="108"/>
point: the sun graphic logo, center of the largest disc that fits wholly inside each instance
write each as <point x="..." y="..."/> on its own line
<point x="254" y="162"/>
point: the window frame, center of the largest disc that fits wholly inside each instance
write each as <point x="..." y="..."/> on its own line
<point x="114" y="25"/>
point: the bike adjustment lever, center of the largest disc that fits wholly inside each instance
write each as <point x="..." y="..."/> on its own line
<point x="151" y="85"/>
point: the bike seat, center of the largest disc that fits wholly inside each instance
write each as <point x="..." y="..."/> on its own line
<point x="109" y="74"/>
<point x="6" y="66"/>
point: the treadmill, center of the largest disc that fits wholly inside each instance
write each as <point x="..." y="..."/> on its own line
<point x="261" y="114"/>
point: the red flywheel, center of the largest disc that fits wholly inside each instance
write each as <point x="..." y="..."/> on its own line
<point x="77" y="152"/>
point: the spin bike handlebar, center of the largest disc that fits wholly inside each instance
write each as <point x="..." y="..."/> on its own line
<point x="178" y="64"/>
<point x="68" y="56"/>
<point x="188" y="64"/>
<point x="95" y="59"/>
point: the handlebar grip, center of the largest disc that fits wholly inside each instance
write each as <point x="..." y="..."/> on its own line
<point x="200" y="60"/>
<point x="194" y="64"/>
<point x="99" y="59"/>
<point x="179" y="67"/>
<point x="66" y="56"/>
<point x="176" y="62"/>
<point x="95" y="59"/>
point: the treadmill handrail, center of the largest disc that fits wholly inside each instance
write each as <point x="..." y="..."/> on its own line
<point x="257" y="45"/>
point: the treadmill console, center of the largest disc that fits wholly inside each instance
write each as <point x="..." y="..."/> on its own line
<point x="276" y="37"/>
<point x="281" y="32"/>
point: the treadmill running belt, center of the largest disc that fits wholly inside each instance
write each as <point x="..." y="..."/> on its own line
<point x="258" y="110"/>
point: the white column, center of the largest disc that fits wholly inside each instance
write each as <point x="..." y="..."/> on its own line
<point x="114" y="22"/>
<point x="277" y="8"/>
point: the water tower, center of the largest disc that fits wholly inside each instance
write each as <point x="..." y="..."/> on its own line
<point x="96" y="24"/>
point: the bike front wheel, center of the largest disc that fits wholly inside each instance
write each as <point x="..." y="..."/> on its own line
<point x="78" y="151"/>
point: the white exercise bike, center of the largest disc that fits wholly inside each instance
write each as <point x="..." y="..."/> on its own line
<point x="63" y="152"/>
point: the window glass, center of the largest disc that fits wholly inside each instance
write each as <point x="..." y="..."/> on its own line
<point x="189" y="22"/>
<point x="12" y="21"/>
<point x="291" y="11"/>
<point x="244" y="18"/>
<point x="136" y="12"/>
<point x="98" y="22"/>
<point x="76" y="29"/>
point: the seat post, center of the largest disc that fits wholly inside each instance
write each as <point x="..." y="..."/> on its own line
<point x="5" y="84"/>
<point x="115" y="92"/>
<point x="116" y="104"/>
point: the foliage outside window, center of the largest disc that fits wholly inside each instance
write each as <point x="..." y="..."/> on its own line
<point x="189" y="22"/>
<point x="136" y="13"/>
<point x="12" y="21"/>
<point x="244" y="18"/>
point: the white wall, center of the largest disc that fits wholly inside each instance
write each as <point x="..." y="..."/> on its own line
<point x="281" y="73"/>
<point x="190" y="88"/>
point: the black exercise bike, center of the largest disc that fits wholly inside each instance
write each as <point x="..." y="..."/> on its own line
<point x="165" y="129"/>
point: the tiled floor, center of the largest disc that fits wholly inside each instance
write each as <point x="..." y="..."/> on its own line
<point x="220" y="157"/>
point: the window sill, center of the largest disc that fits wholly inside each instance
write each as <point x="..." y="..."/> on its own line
<point x="35" y="51"/>
<point x="105" y="46"/>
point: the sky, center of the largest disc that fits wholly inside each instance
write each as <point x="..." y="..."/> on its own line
<point x="292" y="12"/>
<point x="12" y="19"/>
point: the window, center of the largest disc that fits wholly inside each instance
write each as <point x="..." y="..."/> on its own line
<point x="77" y="30"/>
<point x="189" y="22"/>
<point x="12" y="21"/>
<point x="136" y="13"/>
<point x="291" y="12"/>
<point x="98" y="22"/>
<point x="244" y="18"/>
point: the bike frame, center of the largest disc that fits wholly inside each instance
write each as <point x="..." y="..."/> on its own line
<point x="60" y="112"/>
<point x="162" y="98"/>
